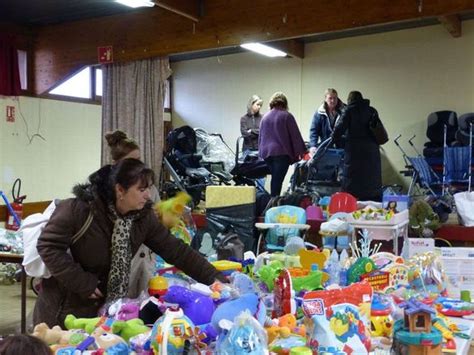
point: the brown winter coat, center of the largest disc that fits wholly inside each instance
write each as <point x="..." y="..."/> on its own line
<point x="75" y="275"/>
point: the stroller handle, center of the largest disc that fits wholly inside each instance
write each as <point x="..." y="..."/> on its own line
<point x="323" y="147"/>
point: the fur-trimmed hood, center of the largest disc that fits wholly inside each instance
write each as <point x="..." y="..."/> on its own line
<point x="96" y="190"/>
<point x="339" y="107"/>
<point x="96" y="187"/>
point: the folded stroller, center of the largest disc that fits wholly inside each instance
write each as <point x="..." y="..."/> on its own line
<point x="422" y="174"/>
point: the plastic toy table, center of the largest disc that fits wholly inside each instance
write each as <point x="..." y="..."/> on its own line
<point x="398" y="225"/>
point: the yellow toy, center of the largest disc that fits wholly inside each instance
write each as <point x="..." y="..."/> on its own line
<point x="286" y="326"/>
<point x="171" y="212"/>
<point x="157" y="286"/>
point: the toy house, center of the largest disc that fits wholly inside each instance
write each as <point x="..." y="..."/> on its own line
<point x="415" y="331"/>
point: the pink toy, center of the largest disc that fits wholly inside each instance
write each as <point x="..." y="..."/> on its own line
<point x="128" y="311"/>
<point x="198" y="307"/>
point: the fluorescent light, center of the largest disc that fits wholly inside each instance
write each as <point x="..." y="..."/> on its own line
<point x="263" y="49"/>
<point x="136" y="3"/>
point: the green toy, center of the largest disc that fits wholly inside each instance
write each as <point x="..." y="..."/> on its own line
<point x="362" y="266"/>
<point x="88" y="324"/>
<point x="268" y="273"/>
<point x="422" y="220"/>
<point x="130" y="328"/>
<point x="310" y="282"/>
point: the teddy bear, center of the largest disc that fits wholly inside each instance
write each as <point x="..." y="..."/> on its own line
<point x="56" y="335"/>
<point x="423" y="221"/>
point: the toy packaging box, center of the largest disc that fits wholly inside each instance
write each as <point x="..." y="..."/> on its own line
<point x="398" y="203"/>
<point x="338" y="319"/>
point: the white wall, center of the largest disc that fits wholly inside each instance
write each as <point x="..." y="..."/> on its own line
<point x="406" y="74"/>
<point x="69" y="152"/>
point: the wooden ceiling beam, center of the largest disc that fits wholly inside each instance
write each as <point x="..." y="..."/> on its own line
<point x="291" y="47"/>
<point x="452" y="23"/>
<point x="190" y="9"/>
<point x="63" y="48"/>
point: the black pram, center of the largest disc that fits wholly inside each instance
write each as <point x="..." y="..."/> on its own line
<point x="322" y="173"/>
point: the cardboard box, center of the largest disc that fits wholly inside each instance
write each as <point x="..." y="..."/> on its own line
<point x="458" y="265"/>
<point x="413" y="246"/>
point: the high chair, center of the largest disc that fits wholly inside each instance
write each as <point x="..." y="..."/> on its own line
<point x="281" y="223"/>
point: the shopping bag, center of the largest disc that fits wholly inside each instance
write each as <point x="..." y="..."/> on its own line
<point x="465" y="207"/>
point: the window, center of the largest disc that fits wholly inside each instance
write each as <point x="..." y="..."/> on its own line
<point x="23" y="68"/>
<point x="79" y="85"/>
<point x="167" y="102"/>
<point x="98" y="82"/>
<point x="87" y="84"/>
<point x="420" y="322"/>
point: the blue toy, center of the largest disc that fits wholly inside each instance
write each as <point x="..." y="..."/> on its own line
<point x="230" y="309"/>
<point x="245" y="336"/>
<point x="198" y="307"/>
<point x="242" y="283"/>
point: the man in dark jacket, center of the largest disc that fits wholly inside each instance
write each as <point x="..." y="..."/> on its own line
<point x="362" y="176"/>
<point x="324" y="120"/>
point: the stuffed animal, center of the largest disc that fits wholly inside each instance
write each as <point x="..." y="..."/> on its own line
<point x="171" y="213"/>
<point x="88" y="324"/>
<point x="56" y="335"/>
<point x="198" y="307"/>
<point x="171" y="210"/>
<point x="128" y="311"/>
<point x="106" y="340"/>
<point x="231" y="309"/>
<point x="423" y="221"/>
<point x="130" y="328"/>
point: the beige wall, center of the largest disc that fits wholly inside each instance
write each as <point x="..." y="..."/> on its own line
<point x="48" y="168"/>
<point x="406" y="74"/>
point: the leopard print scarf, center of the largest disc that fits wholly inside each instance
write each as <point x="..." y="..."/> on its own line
<point x="117" y="284"/>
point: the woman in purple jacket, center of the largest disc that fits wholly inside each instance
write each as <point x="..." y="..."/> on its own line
<point x="280" y="143"/>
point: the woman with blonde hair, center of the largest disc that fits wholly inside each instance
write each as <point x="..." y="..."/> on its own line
<point x="250" y="124"/>
<point x="280" y="143"/>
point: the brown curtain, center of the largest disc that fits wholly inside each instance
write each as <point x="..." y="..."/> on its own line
<point x="9" y="71"/>
<point x="132" y="101"/>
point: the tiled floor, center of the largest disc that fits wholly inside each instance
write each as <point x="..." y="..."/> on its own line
<point x="10" y="307"/>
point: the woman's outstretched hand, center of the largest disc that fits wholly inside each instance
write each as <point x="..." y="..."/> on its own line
<point x="96" y="295"/>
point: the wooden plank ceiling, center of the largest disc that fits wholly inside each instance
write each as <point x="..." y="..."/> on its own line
<point x="194" y="25"/>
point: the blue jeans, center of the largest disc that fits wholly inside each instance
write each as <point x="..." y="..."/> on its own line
<point x="278" y="166"/>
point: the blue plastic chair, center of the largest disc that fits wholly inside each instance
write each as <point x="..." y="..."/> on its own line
<point x="281" y="223"/>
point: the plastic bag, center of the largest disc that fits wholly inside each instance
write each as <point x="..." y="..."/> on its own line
<point x="465" y="207"/>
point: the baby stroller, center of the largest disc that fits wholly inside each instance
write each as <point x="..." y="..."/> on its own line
<point x="321" y="175"/>
<point x="184" y="166"/>
<point x="217" y="157"/>
<point x="248" y="167"/>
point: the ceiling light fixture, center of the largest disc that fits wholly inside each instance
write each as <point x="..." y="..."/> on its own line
<point x="263" y="49"/>
<point x="136" y="3"/>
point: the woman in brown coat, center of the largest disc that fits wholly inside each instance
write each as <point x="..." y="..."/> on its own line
<point x="96" y="267"/>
